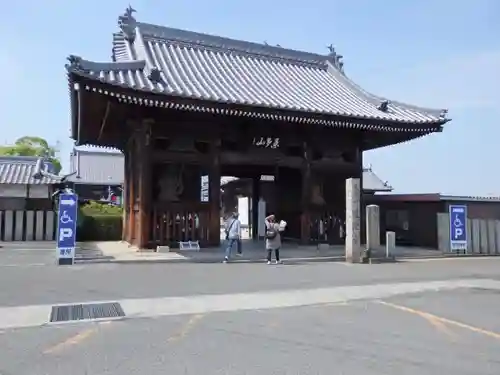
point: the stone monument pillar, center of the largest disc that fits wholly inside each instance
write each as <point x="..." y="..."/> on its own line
<point x="372" y="228"/>
<point x="353" y="221"/>
<point x="390" y="244"/>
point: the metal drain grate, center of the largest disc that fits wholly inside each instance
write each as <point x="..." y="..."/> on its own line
<point x="68" y="313"/>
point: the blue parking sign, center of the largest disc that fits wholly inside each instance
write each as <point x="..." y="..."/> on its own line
<point x="66" y="228"/>
<point x="458" y="227"/>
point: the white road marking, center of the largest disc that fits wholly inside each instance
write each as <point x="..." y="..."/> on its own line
<point x="38" y="315"/>
<point x="13" y="249"/>
<point x="24" y="316"/>
<point x="278" y="299"/>
<point x="347" y="264"/>
<point x="26" y="264"/>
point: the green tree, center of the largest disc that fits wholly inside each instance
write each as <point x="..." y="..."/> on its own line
<point x="33" y="146"/>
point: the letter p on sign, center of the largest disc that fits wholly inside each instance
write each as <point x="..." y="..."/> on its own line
<point x="65" y="233"/>
<point x="458" y="232"/>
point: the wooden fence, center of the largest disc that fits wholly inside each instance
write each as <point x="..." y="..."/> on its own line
<point x="483" y="236"/>
<point x="25" y="225"/>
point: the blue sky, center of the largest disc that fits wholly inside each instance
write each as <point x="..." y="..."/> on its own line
<point x="440" y="53"/>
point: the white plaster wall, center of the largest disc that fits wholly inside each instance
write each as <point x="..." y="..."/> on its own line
<point x="13" y="190"/>
<point x="39" y="191"/>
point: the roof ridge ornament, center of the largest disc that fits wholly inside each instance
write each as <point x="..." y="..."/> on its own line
<point x="155" y="75"/>
<point x="443" y="114"/>
<point x="75" y="63"/>
<point x="127" y="23"/>
<point x="335" y="58"/>
<point x="383" y="106"/>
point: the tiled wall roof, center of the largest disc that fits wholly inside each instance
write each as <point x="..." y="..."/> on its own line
<point x="20" y="170"/>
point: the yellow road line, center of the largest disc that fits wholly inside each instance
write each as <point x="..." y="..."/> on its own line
<point x="75" y="340"/>
<point x="440" y="326"/>
<point x="186" y="328"/>
<point x="440" y="320"/>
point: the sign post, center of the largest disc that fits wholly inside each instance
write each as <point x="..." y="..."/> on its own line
<point x="66" y="228"/>
<point x="458" y="228"/>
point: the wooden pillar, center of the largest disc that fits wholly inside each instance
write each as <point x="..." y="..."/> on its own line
<point x="143" y="143"/>
<point x="305" y="217"/>
<point x="255" y="207"/>
<point x="131" y="192"/>
<point x="214" y="197"/>
<point x="124" y="198"/>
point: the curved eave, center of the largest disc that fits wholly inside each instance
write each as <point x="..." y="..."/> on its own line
<point x="375" y="141"/>
<point x="376" y="100"/>
<point x="156" y="97"/>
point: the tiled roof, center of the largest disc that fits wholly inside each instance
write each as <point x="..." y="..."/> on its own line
<point x="469" y="198"/>
<point x="227" y="179"/>
<point x="92" y="148"/>
<point x="372" y="182"/>
<point x="174" y="62"/>
<point x="436" y="197"/>
<point x="20" y="170"/>
<point x="98" y="167"/>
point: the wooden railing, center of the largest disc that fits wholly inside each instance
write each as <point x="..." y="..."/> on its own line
<point x="326" y="228"/>
<point x="173" y="224"/>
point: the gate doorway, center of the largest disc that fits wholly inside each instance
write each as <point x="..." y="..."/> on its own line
<point x="252" y="195"/>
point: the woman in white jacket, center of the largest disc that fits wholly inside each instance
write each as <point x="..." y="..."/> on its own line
<point x="273" y="238"/>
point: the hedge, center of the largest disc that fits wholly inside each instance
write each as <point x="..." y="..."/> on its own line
<point x="99" y="222"/>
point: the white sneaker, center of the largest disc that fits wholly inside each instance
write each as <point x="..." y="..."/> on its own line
<point x="225" y="260"/>
<point x="278" y="262"/>
<point x="268" y="262"/>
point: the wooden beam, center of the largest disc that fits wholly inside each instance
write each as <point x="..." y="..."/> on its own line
<point x="104" y="120"/>
<point x="181" y="157"/>
<point x="125" y="198"/>
<point x="264" y="159"/>
<point x="305" y="217"/>
<point x="214" y="196"/>
<point x="132" y="192"/>
<point x="328" y="165"/>
<point x="255" y="207"/>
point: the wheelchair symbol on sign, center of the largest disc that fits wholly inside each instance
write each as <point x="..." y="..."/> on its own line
<point x="457" y="222"/>
<point x="65" y="218"/>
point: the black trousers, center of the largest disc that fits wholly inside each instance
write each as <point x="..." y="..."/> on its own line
<point x="276" y="254"/>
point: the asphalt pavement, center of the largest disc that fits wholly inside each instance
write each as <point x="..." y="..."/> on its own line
<point x="62" y="284"/>
<point x="418" y="317"/>
<point x="362" y="337"/>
